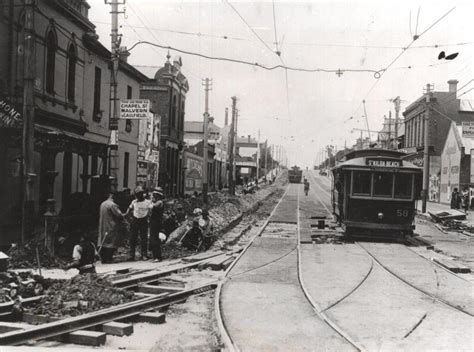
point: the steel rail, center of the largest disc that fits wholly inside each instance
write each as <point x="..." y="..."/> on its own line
<point x="224" y="333"/>
<point x="316" y="308"/>
<point x="88" y="320"/>
<point x="406" y="282"/>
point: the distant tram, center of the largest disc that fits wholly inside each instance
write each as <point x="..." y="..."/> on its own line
<point x="374" y="193"/>
<point x="295" y="174"/>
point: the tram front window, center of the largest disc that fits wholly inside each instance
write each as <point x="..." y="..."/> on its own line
<point x="383" y="184"/>
<point x="362" y="183"/>
<point x="403" y="185"/>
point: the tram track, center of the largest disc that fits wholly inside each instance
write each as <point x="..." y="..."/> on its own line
<point x="433" y="310"/>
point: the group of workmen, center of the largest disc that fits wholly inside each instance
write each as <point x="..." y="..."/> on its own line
<point x="146" y="228"/>
<point x="460" y="200"/>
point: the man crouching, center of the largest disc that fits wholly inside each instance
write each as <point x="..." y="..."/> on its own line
<point x="84" y="256"/>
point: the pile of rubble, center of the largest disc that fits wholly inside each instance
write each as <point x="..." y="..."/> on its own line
<point x="23" y="284"/>
<point x="26" y="256"/>
<point x="79" y="295"/>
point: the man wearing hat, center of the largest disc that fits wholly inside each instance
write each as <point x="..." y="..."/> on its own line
<point x="156" y="222"/>
<point x="140" y="208"/>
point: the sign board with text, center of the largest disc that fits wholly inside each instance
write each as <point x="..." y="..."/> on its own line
<point x="468" y="130"/>
<point x="134" y="109"/>
<point x="383" y="163"/>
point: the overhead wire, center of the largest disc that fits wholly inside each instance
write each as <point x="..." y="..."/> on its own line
<point x="416" y="37"/>
<point x="329" y="45"/>
<point x="456" y="92"/>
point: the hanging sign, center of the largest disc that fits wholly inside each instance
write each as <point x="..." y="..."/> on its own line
<point x="134" y="109"/>
<point x="468" y="130"/>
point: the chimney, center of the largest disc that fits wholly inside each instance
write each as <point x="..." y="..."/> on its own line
<point x="123" y="53"/>
<point x="453" y="85"/>
<point x="226" y="121"/>
<point x="249" y="138"/>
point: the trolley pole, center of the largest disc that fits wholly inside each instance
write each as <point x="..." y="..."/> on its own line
<point x="389" y="145"/>
<point x="28" y="171"/>
<point x="205" y="177"/>
<point x="426" y="152"/>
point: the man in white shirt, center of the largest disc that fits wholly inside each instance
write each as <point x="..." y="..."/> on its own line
<point x="140" y="208"/>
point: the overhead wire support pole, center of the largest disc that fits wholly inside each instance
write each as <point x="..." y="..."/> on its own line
<point x="114" y="99"/>
<point x="426" y="152"/>
<point x="205" y="177"/>
<point x="28" y="171"/>
<point x="396" y="101"/>
<point x="231" y="149"/>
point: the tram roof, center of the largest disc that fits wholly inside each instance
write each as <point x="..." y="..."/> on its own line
<point x="374" y="152"/>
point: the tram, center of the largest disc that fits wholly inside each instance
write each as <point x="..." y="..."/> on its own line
<point x="374" y="192"/>
<point x="295" y="174"/>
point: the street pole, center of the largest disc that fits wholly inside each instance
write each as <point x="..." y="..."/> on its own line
<point x="389" y="145"/>
<point x="426" y="152"/>
<point x="266" y="158"/>
<point x="114" y="99"/>
<point x="28" y="171"/>
<point x="258" y="156"/>
<point x="231" y="148"/>
<point x="397" y="112"/>
<point x="205" y="152"/>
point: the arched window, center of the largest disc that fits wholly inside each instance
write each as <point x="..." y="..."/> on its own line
<point x="71" y="74"/>
<point x="51" y="46"/>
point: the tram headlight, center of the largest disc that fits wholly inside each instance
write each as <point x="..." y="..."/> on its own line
<point x="380" y="216"/>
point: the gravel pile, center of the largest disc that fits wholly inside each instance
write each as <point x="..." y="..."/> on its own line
<point x="22" y="257"/>
<point x="79" y="295"/>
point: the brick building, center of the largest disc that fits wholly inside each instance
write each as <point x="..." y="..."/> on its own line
<point x="446" y="108"/>
<point x="71" y="97"/>
<point x="167" y="93"/>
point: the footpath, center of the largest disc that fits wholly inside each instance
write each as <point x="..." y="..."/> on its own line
<point x="448" y="242"/>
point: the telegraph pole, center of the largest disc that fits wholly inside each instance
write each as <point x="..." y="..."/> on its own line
<point x="28" y="171"/>
<point x="258" y="156"/>
<point x="266" y="158"/>
<point x="114" y="99"/>
<point x="205" y="179"/>
<point x="231" y="148"/>
<point x="236" y="136"/>
<point x="396" y="101"/>
<point x="426" y="152"/>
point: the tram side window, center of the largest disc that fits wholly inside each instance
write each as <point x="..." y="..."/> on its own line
<point x="361" y="183"/>
<point x="403" y="185"/>
<point x="383" y="184"/>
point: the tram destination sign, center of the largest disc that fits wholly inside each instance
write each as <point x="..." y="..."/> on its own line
<point x="134" y="109"/>
<point x="383" y="163"/>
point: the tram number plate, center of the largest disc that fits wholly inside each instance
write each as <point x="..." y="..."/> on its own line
<point x="403" y="213"/>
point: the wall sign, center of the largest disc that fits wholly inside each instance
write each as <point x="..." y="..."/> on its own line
<point x="383" y="163"/>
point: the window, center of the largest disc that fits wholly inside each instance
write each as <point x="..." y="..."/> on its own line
<point x="51" y="46"/>
<point x="128" y="122"/>
<point x="383" y="183"/>
<point x="97" y="114"/>
<point x="173" y="113"/>
<point x="361" y="182"/>
<point x="403" y="185"/>
<point x="71" y="75"/>
<point x="126" y="162"/>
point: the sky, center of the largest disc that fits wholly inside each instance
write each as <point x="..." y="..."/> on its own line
<point x="302" y="111"/>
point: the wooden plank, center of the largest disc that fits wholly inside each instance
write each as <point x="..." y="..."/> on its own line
<point x="452" y="266"/>
<point x="7" y="326"/>
<point x="117" y="329"/>
<point x="154" y="289"/>
<point x="151" y="318"/>
<point x="88" y="338"/>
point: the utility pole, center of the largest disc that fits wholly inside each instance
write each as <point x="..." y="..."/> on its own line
<point x="396" y="101"/>
<point x="266" y="158"/>
<point x="258" y="156"/>
<point x="236" y="136"/>
<point x="231" y="148"/>
<point x="28" y="171"/>
<point x="426" y="152"/>
<point x="205" y="178"/>
<point x="114" y="99"/>
<point x="389" y="145"/>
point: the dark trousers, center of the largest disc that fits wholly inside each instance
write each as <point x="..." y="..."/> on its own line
<point x="155" y="245"/>
<point x="107" y="254"/>
<point x="139" y="228"/>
